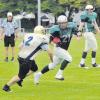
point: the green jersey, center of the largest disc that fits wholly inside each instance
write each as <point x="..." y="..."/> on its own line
<point x="89" y="19"/>
<point x="64" y="34"/>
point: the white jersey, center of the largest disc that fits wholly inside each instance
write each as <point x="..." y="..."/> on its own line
<point x="32" y="44"/>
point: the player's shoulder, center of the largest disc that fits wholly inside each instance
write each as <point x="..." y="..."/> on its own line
<point x="72" y="24"/>
<point x="84" y="13"/>
<point x="46" y="39"/>
<point x="4" y="21"/>
<point x="54" y="28"/>
<point x="94" y="14"/>
<point x="29" y="35"/>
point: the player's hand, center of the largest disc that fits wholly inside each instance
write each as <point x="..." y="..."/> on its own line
<point x="79" y="34"/>
<point x="78" y="37"/>
<point x="98" y="31"/>
<point x="1" y="37"/>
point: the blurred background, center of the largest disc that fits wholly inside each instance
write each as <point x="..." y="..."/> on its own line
<point x="29" y="13"/>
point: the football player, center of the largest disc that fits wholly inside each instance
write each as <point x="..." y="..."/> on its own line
<point x="61" y="35"/>
<point x="31" y="45"/>
<point x="89" y="26"/>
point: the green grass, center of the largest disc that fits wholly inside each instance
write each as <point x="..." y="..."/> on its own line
<point x="79" y="84"/>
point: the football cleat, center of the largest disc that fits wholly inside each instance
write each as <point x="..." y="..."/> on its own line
<point x="36" y="78"/>
<point x="6" y="88"/>
<point x="96" y="65"/>
<point x="59" y="77"/>
<point x="20" y="83"/>
<point x="83" y="66"/>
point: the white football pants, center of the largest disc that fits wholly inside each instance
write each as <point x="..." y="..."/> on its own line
<point x="59" y="55"/>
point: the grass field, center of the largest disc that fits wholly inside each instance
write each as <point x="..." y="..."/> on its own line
<point x="79" y="84"/>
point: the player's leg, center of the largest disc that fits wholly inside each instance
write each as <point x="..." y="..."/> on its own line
<point x="10" y="83"/>
<point x="94" y="49"/>
<point x="23" y="70"/>
<point x="33" y="68"/>
<point x="85" y="52"/>
<point x="66" y="60"/>
<point x="6" y="52"/>
<point x="6" y="44"/>
<point x="12" y="43"/>
<point x="48" y="67"/>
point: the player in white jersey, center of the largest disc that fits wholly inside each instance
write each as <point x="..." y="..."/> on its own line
<point x="31" y="45"/>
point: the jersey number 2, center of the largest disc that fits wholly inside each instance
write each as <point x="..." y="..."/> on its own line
<point x="27" y="43"/>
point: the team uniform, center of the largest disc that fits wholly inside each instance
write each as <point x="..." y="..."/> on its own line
<point x="88" y="18"/>
<point x="60" y="52"/>
<point x="90" y="40"/>
<point x="61" y="39"/>
<point x="32" y="44"/>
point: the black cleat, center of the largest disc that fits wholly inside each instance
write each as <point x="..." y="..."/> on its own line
<point x="96" y="65"/>
<point x="12" y="59"/>
<point x="6" y="88"/>
<point x="61" y="78"/>
<point x="20" y="83"/>
<point x="83" y="66"/>
<point x="6" y="59"/>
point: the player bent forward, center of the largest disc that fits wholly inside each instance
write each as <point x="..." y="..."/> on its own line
<point x="30" y="46"/>
<point x="61" y="35"/>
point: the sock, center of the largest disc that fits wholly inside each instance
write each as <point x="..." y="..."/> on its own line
<point x="83" y="58"/>
<point x="60" y="72"/>
<point x="93" y="57"/>
<point x="45" y="69"/>
<point x="82" y="61"/>
<point x="64" y="64"/>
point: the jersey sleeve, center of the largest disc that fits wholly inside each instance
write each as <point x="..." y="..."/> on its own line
<point x="74" y="28"/>
<point x="15" y="25"/>
<point x="53" y="29"/>
<point x="94" y="16"/>
<point x="3" y="24"/>
<point x="84" y="17"/>
<point x="44" y="47"/>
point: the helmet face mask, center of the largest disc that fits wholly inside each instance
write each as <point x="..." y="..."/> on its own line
<point x="39" y="30"/>
<point x="62" y="21"/>
<point x="62" y="25"/>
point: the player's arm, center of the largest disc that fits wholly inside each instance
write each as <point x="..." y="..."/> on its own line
<point x="16" y="29"/>
<point x="1" y="33"/>
<point x="55" y="37"/>
<point x="47" y="48"/>
<point x="96" y="27"/>
<point x="50" y="54"/>
<point x="20" y="46"/>
<point x="80" y="28"/>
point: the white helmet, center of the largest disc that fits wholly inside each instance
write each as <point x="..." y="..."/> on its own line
<point x="62" y="18"/>
<point x="89" y="7"/>
<point x="39" y="30"/>
<point x="9" y="14"/>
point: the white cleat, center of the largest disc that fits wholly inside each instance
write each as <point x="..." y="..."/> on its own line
<point x="59" y="77"/>
<point x="36" y="78"/>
